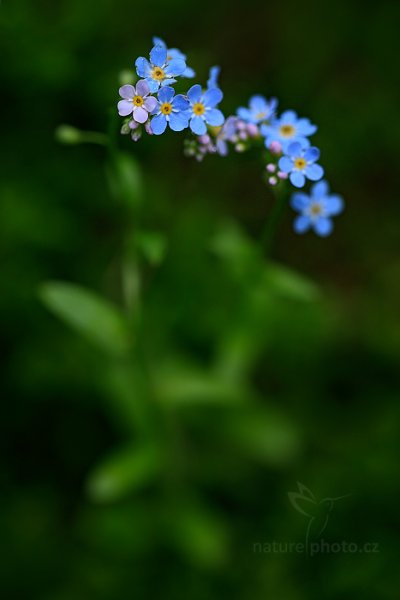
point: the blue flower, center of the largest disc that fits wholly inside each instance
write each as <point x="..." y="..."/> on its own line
<point x="300" y="162"/>
<point x="161" y="70"/>
<point x="202" y="109"/>
<point x="287" y="129"/>
<point x="174" y="53"/>
<point x="316" y="209"/>
<point x="259" y="110"/>
<point x="171" y="110"/>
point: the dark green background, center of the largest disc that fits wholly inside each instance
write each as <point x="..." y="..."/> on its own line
<point x="327" y="372"/>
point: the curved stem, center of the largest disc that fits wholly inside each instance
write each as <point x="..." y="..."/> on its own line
<point x="274" y="219"/>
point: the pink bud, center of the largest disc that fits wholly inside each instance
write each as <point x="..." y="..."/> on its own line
<point x="133" y="125"/>
<point x="275" y="147"/>
<point x="252" y="130"/>
<point x="243" y="135"/>
<point x="271" y="168"/>
<point x="282" y="175"/>
<point x="148" y="128"/>
<point x="272" y="181"/>
<point x="241" y="125"/>
<point x="204" y="139"/>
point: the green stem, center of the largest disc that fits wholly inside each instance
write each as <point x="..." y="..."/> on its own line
<point x="274" y="219"/>
<point x="94" y="137"/>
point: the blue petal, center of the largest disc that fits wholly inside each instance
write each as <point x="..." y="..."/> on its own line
<point x="273" y="104"/>
<point x="312" y="154"/>
<point x="167" y="82"/>
<point x="222" y="147"/>
<point x="178" y="121"/>
<point x="266" y="130"/>
<point x="195" y="93"/>
<point x="214" y="117"/>
<point x="299" y="201"/>
<point x="213" y="77"/>
<point x="188" y="73"/>
<point x="304" y="142"/>
<point x="159" y="124"/>
<point x="153" y="85"/>
<point x="198" y="126"/>
<point x="297" y="179"/>
<point x="244" y="114"/>
<point x="213" y="97"/>
<point x="305" y="127"/>
<point x="175" y="53"/>
<point x="180" y="103"/>
<point x="176" y="67"/>
<point x="294" y="149"/>
<point x="323" y="226"/>
<point x="320" y="190"/>
<point x="166" y="94"/>
<point x="273" y="138"/>
<point x="333" y="204"/>
<point x="143" y="68"/>
<point x="314" y="172"/>
<point x="301" y="224"/>
<point x="289" y="117"/>
<point x="285" y="164"/>
<point x="159" y="42"/>
<point x="258" y="103"/>
<point x="158" y="56"/>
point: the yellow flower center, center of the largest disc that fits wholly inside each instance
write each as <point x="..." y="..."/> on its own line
<point x="166" y="108"/>
<point x="287" y="131"/>
<point x="138" y="101"/>
<point x="158" y="74"/>
<point x="315" y="209"/>
<point x="199" y="108"/>
<point x="260" y="116"/>
<point x="300" y="163"/>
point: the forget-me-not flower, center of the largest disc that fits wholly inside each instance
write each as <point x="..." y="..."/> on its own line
<point x="202" y="111"/>
<point x="171" y="110"/>
<point x="161" y="70"/>
<point x="316" y="209"/>
<point x="259" y="110"/>
<point x="287" y="129"/>
<point x="136" y="101"/>
<point x="300" y="163"/>
<point x="173" y="53"/>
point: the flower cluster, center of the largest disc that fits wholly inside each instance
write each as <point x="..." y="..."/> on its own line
<point x="152" y="106"/>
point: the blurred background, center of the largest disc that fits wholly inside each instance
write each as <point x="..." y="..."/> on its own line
<point x="154" y="468"/>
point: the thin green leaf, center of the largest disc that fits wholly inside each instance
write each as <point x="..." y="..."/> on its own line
<point x="90" y="315"/>
<point x="122" y="473"/>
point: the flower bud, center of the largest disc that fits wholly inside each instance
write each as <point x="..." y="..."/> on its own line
<point x="252" y="130"/>
<point x="271" y="168"/>
<point x="68" y="135"/>
<point x="275" y="147"/>
<point x="204" y="139"/>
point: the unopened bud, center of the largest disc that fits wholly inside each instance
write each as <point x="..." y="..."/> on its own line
<point x="65" y="134"/>
<point x="275" y="147"/>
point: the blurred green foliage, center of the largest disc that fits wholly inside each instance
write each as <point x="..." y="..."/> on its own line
<point x="165" y="386"/>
